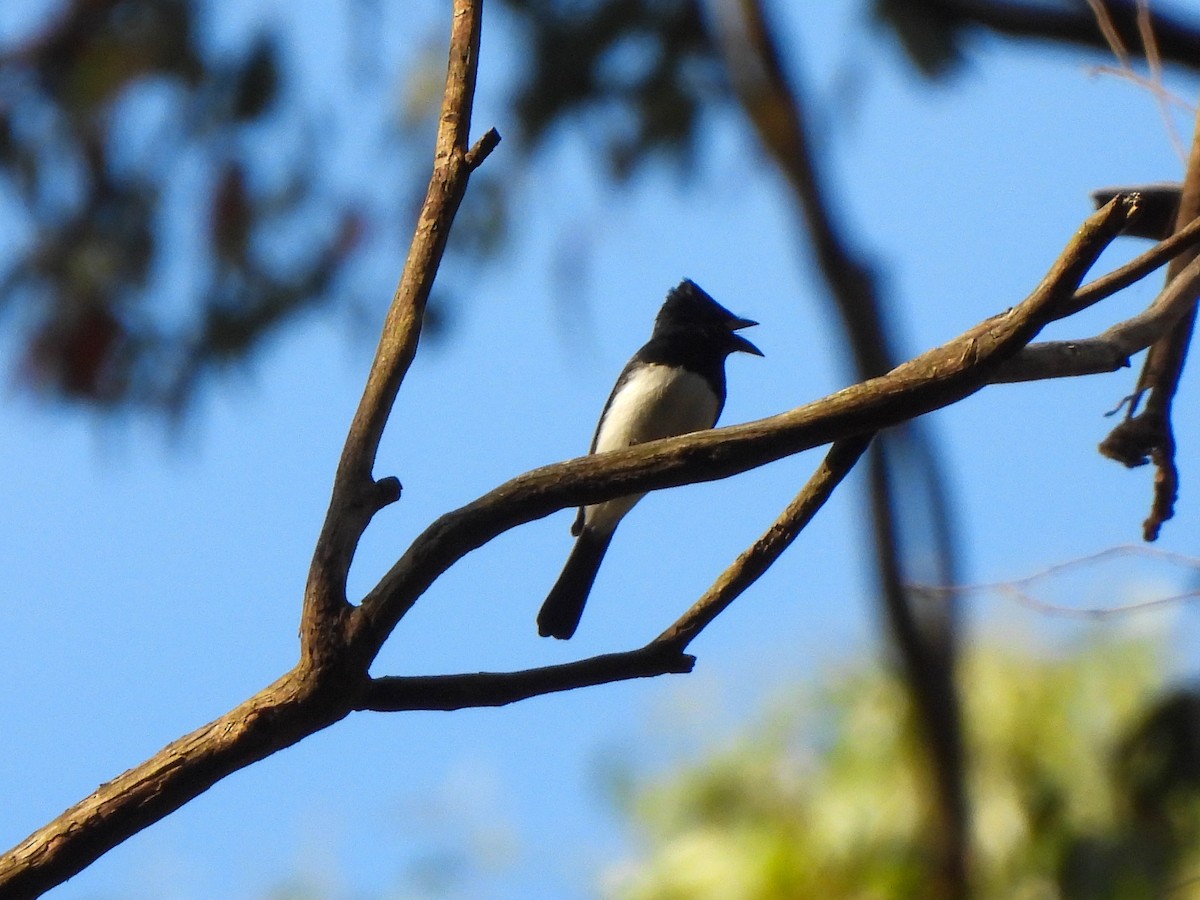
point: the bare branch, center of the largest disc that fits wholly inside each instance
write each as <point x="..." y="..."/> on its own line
<point x="1019" y="590"/>
<point x="1150" y="434"/>
<point x="1109" y="31"/>
<point x="761" y="555"/>
<point x="482" y="148"/>
<point x="663" y="655"/>
<point x="356" y="495"/>
<point x="340" y="641"/>
<point x="274" y="718"/>
<point x="1111" y="349"/>
<point x="447" y="692"/>
<point x="315" y="694"/>
<point x="1133" y="271"/>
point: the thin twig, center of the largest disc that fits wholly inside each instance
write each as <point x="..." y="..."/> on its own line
<point x="1162" y="96"/>
<point x="1109" y="30"/>
<point x="1165" y="98"/>
<point x="1018" y="589"/>
<point x="761" y="555"/>
<point x="1094" y="613"/>
<point x="1133" y="271"/>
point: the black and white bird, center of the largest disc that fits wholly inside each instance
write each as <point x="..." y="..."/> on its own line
<point x="674" y="385"/>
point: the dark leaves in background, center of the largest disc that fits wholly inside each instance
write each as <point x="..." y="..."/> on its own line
<point x="1156" y="774"/>
<point x="930" y="39"/>
<point x="101" y="325"/>
<point x="645" y="70"/>
<point x="257" y="81"/>
<point x="99" y="322"/>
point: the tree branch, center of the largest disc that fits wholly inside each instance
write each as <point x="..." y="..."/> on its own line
<point x="339" y="642"/>
<point x="761" y="555"/>
<point x="1149" y="435"/>
<point x="314" y="694"/>
<point x="308" y="699"/>
<point x="356" y="495"/>
<point x="1177" y="40"/>
<point x="1133" y="271"/>
<point x="1112" y="348"/>
<point x="664" y="655"/>
<point x="274" y="718"/>
<point x="448" y="692"/>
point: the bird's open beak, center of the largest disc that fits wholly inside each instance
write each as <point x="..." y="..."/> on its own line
<point x="740" y="343"/>
<point x="737" y="341"/>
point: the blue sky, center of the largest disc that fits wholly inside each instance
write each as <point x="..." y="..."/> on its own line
<point x="152" y="582"/>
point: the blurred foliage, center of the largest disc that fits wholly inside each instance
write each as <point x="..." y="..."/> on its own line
<point x="645" y="71"/>
<point x="933" y="43"/>
<point x="172" y="200"/>
<point x="1085" y="783"/>
<point x="97" y="109"/>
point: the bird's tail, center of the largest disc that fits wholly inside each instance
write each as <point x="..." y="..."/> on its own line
<point x="560" y="614"/>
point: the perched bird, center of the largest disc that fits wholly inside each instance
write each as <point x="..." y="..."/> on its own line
<point x="674" y="385"/>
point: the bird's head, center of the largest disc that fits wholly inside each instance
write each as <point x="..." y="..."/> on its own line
<point x="689" y="306"/>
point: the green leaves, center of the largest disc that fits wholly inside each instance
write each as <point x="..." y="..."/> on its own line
<point x="1083" y="784"/>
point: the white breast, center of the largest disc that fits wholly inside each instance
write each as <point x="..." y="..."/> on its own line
<point x="657" y="402"/>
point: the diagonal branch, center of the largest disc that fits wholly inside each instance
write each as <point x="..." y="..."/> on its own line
<point x="761" y="555"/>
<point x="356" y="494"/>
<point x="272" y="719"/>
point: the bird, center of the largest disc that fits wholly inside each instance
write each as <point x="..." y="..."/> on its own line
<point x="675" y="384"/>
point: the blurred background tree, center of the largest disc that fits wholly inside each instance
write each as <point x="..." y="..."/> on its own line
<point x="180" y="195"/>
<point x="1083" y="775"/>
